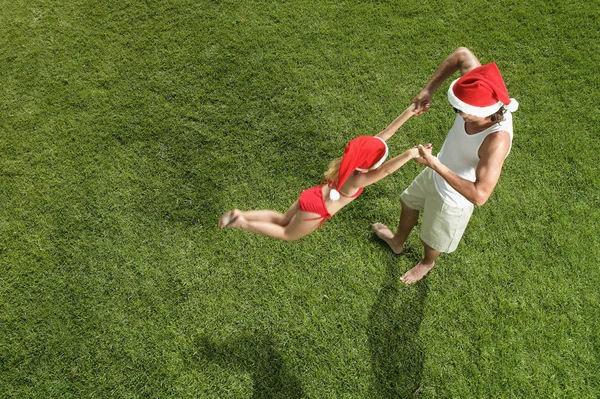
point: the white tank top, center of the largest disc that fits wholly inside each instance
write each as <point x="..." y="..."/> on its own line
<point x="460" y="154"/>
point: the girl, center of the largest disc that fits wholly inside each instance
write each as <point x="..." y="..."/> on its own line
<point x="361" y="165"/>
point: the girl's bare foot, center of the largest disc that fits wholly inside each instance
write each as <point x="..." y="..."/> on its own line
<point x="386" y="235"/>
<point x="416" y="273"/>
<point x="229" y="218"/>
<point x="236" y="219"/>
<point x="225" y="219"/>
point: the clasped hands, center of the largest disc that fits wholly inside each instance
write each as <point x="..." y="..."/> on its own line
<point x="425" y="156"/>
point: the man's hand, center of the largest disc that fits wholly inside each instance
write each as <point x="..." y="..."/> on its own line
<point x="461" y="59"/>
<point x="422" y="101"/>
<point x="426" y="158"/>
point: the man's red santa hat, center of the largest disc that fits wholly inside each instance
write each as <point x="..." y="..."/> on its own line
<point x="363" y="154"/>
<point x="481" y="92"/>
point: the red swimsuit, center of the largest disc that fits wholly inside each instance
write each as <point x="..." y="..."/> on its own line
<point x="311" y="200"/>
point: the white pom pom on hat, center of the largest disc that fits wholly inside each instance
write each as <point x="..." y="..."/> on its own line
<point x="481" y="92"/>
<point x="334" y="194"/>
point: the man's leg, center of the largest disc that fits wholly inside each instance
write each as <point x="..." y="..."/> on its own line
<point x="408" y="219"/>
<point x="423" y="267"/>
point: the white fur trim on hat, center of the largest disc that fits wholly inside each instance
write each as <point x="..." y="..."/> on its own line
<point x="513" y="105"/>
<point x="479" y="111"/>
<point x="470" y="109"/>
<point x="380" y="162"/>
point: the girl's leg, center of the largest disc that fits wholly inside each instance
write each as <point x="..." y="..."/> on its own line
<point x="270" y="216"/>
<point x="294" y="224"/>
<point x="255" y="216"/>
<point x="265" y="216"/>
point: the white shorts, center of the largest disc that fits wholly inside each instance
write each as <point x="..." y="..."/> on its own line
<point x="442" y="226"/>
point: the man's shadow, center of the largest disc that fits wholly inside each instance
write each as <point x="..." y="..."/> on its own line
<point x="256" y="355"/>
<point x="394" y="322"/>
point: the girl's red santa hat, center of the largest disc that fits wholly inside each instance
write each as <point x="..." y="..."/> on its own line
<point x="481" y="92"/>
<point x="362" y="154"/>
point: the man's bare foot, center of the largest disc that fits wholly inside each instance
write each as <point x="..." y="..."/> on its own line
<point x="386" y="235"/>
<point x="229" y="218"/>
<point x="416" y="273"/>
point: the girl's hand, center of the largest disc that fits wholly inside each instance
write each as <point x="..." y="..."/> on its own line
<point x="418" y="150"/>
<point x="413" y="109"/>
<point x="425" y="148"/>
<point x="414" y="152"/>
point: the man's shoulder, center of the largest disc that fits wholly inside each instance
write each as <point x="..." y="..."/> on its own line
<point x="498" y="142"/>
<point x="498" y="138"/>
<point x="502" y="131"/>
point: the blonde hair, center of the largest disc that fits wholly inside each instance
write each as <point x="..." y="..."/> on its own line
<point x="334" y="169"/>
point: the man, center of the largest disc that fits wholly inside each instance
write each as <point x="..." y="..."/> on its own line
<point x="468" y="165"/>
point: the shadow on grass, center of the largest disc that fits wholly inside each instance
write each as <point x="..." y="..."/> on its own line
<point x="256" y="355"/>
<point x="410" y="251"/>
<point x="394" y="322"/>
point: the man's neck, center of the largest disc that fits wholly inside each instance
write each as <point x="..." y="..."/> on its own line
<point x="478" y="126"/>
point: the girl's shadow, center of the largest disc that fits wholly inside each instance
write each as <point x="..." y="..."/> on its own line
<point x="394" y="322"/>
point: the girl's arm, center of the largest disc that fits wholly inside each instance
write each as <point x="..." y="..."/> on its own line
<point x="389" y="167"/>
<point x="395" y="125"/>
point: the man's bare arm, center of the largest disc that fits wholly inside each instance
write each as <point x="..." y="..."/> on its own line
<point x="491" y="159"/>
<point x="461" y="59"/>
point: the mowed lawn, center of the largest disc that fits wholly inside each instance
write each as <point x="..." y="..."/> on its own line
<point x="128" y="128"/>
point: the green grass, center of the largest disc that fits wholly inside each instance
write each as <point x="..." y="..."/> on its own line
<point x="126" y="129"/>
